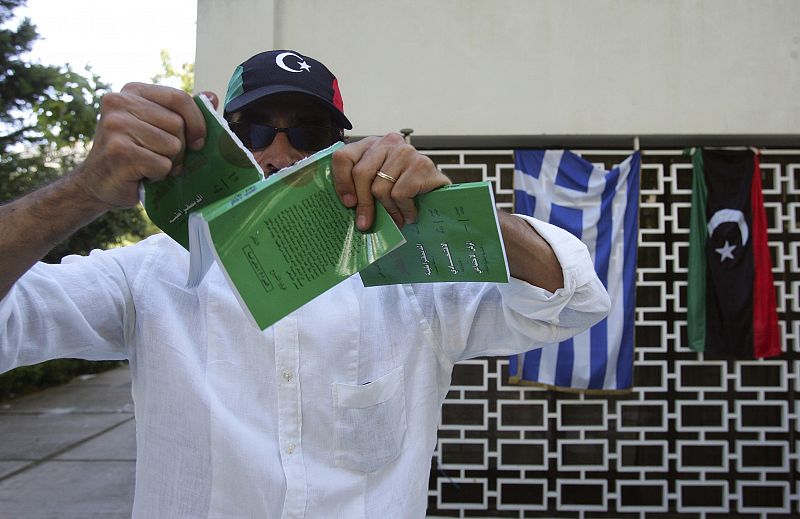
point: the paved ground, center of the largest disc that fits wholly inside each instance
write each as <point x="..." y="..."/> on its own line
<point x="69" y="452"/>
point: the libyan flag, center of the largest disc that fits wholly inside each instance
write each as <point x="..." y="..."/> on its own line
<point x="731" y="296"/>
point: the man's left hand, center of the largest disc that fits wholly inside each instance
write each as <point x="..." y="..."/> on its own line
<point x="356" y="169"/>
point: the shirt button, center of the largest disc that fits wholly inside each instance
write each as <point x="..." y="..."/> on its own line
<point x="290" y="448"/>
<point x="288" y="376"/>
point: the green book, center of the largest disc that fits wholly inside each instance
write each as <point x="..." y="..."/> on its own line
<point x="456" y="238"/>
<point x="285" y="240"/>
<point x="221" y="168"/>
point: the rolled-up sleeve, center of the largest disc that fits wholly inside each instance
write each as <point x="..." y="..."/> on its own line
<point x="471" y="319"/>
<point x="81" y="308"/>
<point x="580" y="303"/>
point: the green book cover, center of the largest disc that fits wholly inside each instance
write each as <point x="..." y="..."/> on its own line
<point x="284" y="240"/>
<point x="221" y="168"/>
<point x="456" y="238"/>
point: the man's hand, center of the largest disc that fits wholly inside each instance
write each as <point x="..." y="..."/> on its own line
<point x="142" y="134"/>
<point x="355" y="176"/>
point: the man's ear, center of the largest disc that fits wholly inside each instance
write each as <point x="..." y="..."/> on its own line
<point x="233" y="117"/>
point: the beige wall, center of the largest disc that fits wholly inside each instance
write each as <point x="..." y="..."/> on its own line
<point x="511" y="67"/>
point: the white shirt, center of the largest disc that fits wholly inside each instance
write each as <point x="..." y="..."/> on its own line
<point x="332" y="412"/>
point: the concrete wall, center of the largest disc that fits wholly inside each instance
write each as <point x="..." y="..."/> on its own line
<point x="512" y="67"/>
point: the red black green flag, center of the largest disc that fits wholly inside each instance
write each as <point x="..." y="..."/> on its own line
<point x="731" y="296"/>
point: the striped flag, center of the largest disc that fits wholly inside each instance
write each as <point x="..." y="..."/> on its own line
<point x="731" y="294"/>
<point x="601" y="208"/>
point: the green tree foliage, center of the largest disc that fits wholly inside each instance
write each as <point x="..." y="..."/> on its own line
<point x="180" y="77"/>
<point x="28" y="379"/>
<point x="48" y="116"/>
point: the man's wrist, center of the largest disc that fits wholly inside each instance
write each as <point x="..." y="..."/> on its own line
<point x="61" y="208"/>
<point x="76" y="186"/>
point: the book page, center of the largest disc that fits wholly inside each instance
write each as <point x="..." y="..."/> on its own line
<point x="283" y="242"/>
<point x="456" y="238"/>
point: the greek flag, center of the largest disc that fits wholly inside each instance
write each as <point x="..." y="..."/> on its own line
<point x="601" y="208"/>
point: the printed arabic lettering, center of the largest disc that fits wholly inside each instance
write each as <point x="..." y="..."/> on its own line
<point x="446" y="250"/>
<point x="474" y="259"/>
<point x="424" y="257"/>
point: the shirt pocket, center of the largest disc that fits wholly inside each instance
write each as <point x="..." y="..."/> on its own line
<point x="370" y="422"/>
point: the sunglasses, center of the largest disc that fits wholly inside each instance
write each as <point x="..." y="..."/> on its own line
<point x="307" y="138"/>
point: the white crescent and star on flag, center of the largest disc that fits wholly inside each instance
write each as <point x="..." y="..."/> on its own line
<point x="301" y="62"/>
<point x="728" y="216"/>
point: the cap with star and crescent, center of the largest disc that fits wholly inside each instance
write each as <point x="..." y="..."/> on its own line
<point x="279" y="71"/>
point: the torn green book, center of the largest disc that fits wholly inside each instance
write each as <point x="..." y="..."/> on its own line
<point x="456" y="238"/>
<point x="221" y="168"/>
<point x="285" y="240"/>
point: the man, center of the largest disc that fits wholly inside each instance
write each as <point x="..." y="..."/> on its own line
<point x="332" y="411"/>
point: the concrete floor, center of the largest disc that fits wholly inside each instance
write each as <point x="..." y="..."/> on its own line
<point x="69" y="452"/>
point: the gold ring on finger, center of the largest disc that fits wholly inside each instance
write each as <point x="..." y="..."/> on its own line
<point x="386" y="177"/>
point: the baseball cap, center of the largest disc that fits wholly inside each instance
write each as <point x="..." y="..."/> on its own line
<point x="278" y="71"/>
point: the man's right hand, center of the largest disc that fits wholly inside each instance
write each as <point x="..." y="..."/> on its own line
<point x="143" y="133"/>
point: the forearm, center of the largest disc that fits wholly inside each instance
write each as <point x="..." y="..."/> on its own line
<point x="530" y="257"/>
<point x="32" y="225"/>
<point x="142" y="134"/>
